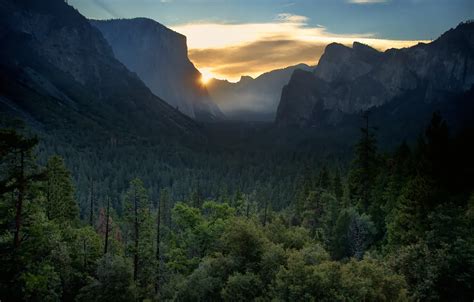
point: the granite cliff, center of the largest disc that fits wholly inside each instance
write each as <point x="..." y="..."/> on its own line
<point x="349" y="80"/>
<point x="159" y="56"/>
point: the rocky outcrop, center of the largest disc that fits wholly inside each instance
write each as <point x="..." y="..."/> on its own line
<point x="252" y="99"/>
<point x="348" y="80"/>
<point x="58" y="69"/>
<point x="159" y="56"/>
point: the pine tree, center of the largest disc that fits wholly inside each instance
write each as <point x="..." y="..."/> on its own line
<point x="435" y="153"/>
<point x="162" y="205"/>
<point x="410" y="214"/>
<point x="364" y="167"/>
<point x="197" y="198"/>
<point x="265" y="197"/>
<point x="337" y="186"/>
<point x="19" y="171"/>
<point x="107" y="227"/>
<point x="60" y="203"/>
<point x="323" y="179"/>
<point x="91" y="204"/>
<point x="306" y="185"/>
<point x="136" y="207"/>
<point x="313" y="211"/>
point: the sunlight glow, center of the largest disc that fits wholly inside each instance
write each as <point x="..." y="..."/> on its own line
<point x="206" y="76"/>
<point x="229" y="50"/>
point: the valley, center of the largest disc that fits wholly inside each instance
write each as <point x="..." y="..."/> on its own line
<point x="127" y="174"/>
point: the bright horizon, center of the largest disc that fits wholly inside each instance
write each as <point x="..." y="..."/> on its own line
<point x="230" y="51"/>
<point x="229" y="39"/>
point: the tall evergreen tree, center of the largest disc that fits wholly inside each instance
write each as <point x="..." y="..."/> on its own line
<point x="91" y="204"/>
<point x="162" y="205"/>
<point x="107" y="227"/>
<point x="434" y="150"/>
<point x="337" y="186"/>
<point x="197" y="198"/>
<point x="19" y="170"/>
<point x="141" y="237"/>
<point x="324" y="180"/>
<point x="364" y="167"/>
<point x="136" y="207"/>
<point x="60" y="203"/>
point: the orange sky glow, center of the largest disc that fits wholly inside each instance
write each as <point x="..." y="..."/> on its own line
<point x="228" y="51"/>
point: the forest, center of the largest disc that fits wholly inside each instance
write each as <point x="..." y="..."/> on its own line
<point x="239" y="225"/>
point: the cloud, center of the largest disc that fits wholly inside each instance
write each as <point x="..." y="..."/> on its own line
<point x="256" y="57"/>
<point x="291" y="19"/>
<point x="231" y="50"/>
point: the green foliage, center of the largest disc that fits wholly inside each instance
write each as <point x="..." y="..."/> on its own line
<point x="409" y="216"/>
<point x="440" y="265"/>
<point x="288" y="236"/>
<point x="140" y="237"/>
<point x="324" y="181"/>
<point x="244" y="241"/>
<point x="206" y="281"/>
<point x="364" y="167"/>
<point x="337" y="186"/>
<point x="354" y="233"/>
<point x="301" y="280"/>
<point x="242" y="287"/>
<point x="41" y="283"/>
<point x="395" y="227"/>
<point x="217" y="211"/>
<point x="114" y="281"/>
<point x="59" y="192"/>
<point x="312" y="279"/>
<point x="370" y="280"/>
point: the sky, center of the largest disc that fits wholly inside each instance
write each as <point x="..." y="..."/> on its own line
<point x="230" y="38"/>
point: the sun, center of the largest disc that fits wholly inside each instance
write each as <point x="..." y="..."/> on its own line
<point x="206" y="76"/>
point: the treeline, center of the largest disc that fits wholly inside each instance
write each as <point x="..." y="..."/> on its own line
<point x="395" y="227"/>
<point x="103" y="166"/>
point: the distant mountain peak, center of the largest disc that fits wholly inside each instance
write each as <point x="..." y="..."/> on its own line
<point x="142" y="21"/>
<point x="349" y="80"/>
<point x="245" y="78"/>
<point x="252" y="99"/>
<point x="360" y="47"/>
<point x="63" y="72"/>
<point x="336" y="48"/>
<point x="159" y="56"/>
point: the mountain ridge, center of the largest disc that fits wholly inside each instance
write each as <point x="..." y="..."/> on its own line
<point x="349" y="80"/>
<point x="61" y="72"/>
<point x="252" y="99"/>
<point x="159" y="56"/>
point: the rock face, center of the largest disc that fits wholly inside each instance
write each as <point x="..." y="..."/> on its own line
<point x="252" y="99"/>
<point x="159" y="56"/>
<point x="350" y="80"/>
<point x="58" y="71"/>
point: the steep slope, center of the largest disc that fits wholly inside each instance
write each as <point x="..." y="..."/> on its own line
<point x="252" y="99"/>
<point x="350" y="80"/>
<point x="58" y="72"/>
<point x="159" y="56"/>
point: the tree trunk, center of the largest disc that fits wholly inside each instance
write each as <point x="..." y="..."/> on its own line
<point x="158" y="241"/>
<point x="19" y="204"/>
<point x="107" y="226"/>
<point x="91" y="210"/>
<point x="84" y="253"/>
<point x="366" y="161"/>
<point x="265" y="212"/>
<point x="48" y="198"/>
<point x="135" y="257"/>
<point x="248" y="208"/>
